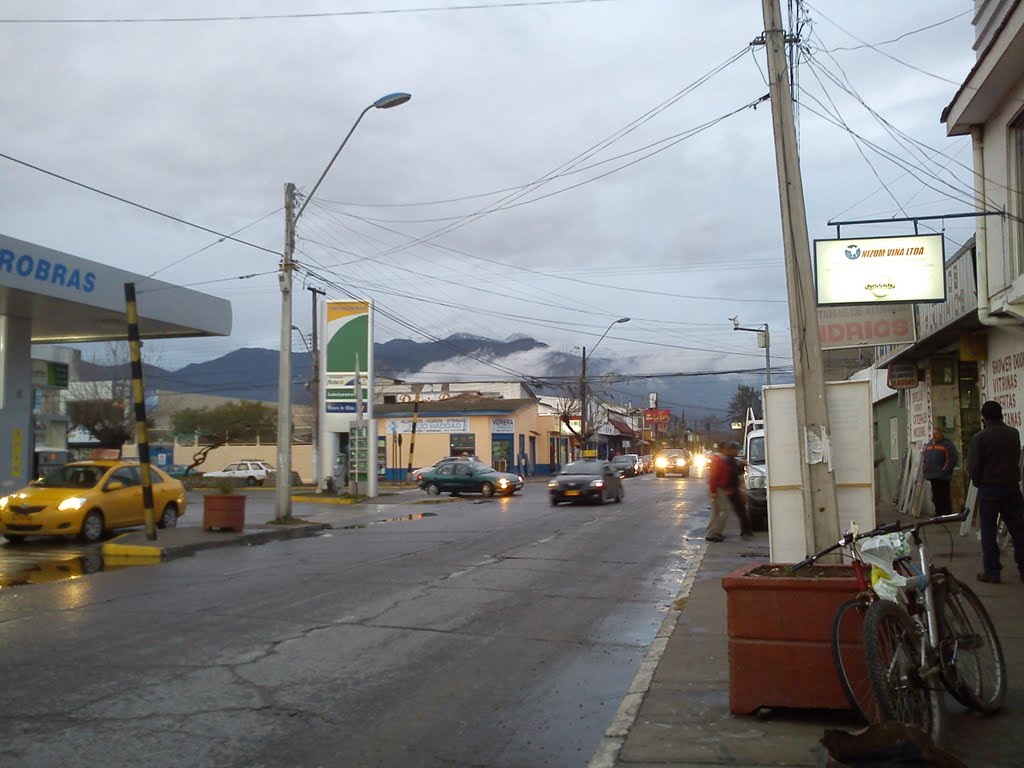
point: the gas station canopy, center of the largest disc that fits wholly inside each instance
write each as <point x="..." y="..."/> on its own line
<point x="70" y="299"/>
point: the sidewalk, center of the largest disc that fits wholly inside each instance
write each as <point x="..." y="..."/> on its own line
<point x="677" y="712"/>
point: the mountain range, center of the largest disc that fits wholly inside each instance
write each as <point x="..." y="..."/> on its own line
<point x="251" y="373"/>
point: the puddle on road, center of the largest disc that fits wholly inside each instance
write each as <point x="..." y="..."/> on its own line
<point x="400" y="519"/>
<point x="25" y="566"/>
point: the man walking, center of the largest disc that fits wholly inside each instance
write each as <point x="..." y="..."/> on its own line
<point x="938" y="459"/>
<point x="993" y="463"/>
<point x="723" y="483"/>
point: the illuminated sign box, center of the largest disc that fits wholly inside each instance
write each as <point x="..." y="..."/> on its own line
<point x="880" y="270"/>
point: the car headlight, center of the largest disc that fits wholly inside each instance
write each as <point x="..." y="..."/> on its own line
<point x="757" y="481"/>
<point x="3" y="502"/>
<point x="552" y="484"/>
<point x="503" y="483"/>
<point x="72" y="502"/>
<point x="597" y="483"/>
<point x="661" y="462"/>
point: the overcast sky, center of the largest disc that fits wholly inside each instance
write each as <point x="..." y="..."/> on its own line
<point x="208" y="119"/>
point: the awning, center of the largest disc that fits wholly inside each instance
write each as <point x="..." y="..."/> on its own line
<point x="623" y="428"/>
<point x="937" y="342"/>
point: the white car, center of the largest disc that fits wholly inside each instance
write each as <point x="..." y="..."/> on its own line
<point x="252" y="471"/>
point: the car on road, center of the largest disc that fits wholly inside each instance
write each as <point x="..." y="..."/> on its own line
<point x="86" y="498"/>
<point x="672" y="461"/>
<point x="646" y="464"/>
<point x="590" y="480"/>
<point x="446" y="460"/>
<point x="627" y="463"/>
<point x="251" y="471"/>
<point x="458" y="477"/>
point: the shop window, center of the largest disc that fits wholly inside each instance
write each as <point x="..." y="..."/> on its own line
<point x="462" y="443"/>
<point x="942" y="371"/>
<point x="1015" y="145"/>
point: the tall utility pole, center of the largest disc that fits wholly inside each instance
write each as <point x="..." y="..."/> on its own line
<point x="283" y="507"/>
<point x="821" y="518"/>
<point x="314" y="388"/>
<point x="584" y="442"/>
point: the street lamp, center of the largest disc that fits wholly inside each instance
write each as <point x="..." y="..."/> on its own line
<point x="283" y="509"/>
<point x="763" y="340"/>
<point x="585" y="441"/>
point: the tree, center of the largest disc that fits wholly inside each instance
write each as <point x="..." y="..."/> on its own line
<point x="745" y="397"/>
<point x="243" y="421"/>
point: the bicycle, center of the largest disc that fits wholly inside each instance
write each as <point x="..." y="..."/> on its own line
<point x="938" y="631"/>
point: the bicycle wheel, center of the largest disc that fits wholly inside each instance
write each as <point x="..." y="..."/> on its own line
<point x="848" y="657"/>
<point x="973" y="667"/>
<point x="892" y="649"/>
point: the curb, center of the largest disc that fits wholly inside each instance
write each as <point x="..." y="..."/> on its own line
<point x="607" y="753"/>
<point x="260" y="536"/>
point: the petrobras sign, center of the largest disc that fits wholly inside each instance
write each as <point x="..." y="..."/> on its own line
<point x="880" y="270"/>
<point x="46" y="271"/>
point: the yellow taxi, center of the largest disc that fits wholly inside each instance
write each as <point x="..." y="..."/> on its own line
<point x="86" y="498"/>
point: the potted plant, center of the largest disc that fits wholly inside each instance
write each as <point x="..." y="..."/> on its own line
<point x="780" y="626"/>
<point x="224" y="508"/>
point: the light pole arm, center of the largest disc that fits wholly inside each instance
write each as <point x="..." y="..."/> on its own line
<point x="323" y="175"/>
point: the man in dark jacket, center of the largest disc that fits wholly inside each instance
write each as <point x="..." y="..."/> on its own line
<point x="938" y="459"/>
<point x="993" y="463"/>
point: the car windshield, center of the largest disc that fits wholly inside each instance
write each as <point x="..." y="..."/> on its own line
<point x="582" y="468"/>
<point x="72" y="476"/>
<point x="756" y="448"/>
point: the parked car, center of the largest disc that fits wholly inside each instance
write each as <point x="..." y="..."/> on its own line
<point x="252" y="471"/>
<point x="755" y="480"/>
<point x="646" y="464"/>
<point x="627" y="463"/>
<point x="180" y="470"/>
<point x="458" y="477"/>
<point x="672" y="461"/>
<point x="86" y="498"/>
<point x="590" y="480"/>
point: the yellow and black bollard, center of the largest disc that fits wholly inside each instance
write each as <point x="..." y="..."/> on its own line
<point x="139" y="400"/>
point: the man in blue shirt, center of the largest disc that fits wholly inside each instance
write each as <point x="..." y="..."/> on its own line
<point x="938" y="459"/>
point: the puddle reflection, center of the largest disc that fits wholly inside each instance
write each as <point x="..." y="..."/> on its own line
<point x="25" y="566"/>
<point x="401" y="519"/>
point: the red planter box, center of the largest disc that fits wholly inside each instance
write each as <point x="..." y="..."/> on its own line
<point x="780" y="626"/>
<point x="223" y="512"/>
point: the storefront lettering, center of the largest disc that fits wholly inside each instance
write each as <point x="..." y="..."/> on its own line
<point x="1002" y="384"/>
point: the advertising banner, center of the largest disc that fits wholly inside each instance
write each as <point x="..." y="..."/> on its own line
<point x="433" y="425"/>
<point x="657" y="416"/>
<point x="347" y="337"/>
<point x="870" y="325"/>
<point x="902" y="376"/>
<point x="876" y="270"/>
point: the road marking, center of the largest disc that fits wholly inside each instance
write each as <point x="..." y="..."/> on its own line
<point x="607" y="752"/>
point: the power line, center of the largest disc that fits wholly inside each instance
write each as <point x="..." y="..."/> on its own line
<point x="134" y="204"/>
<point x="218" y="241"/>
<point x="311" y="15"/>
<point x="900" y="37"/>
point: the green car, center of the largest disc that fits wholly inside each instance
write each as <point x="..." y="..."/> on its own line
<point x="460" y="477"/>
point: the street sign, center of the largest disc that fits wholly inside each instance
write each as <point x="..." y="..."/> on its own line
<point x="901" y="376"/>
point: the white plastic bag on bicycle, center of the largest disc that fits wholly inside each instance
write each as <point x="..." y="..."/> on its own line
<point x="881" y="552"/>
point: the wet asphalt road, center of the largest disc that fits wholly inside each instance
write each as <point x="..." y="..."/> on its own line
<point x="496" y="633"/>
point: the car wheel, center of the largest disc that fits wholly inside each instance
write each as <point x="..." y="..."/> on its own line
<point x="14" y="539"/>
<point x="250" y="481"/>
<point x="169" y="518"/>
<point x="433" y="489"/>
<point x="686" y="473"/>
<point x="92" y="527"/>
<point x="487" y="490"/>
<point x="619" y="494"/>
<point x="554" y="502"/>
<point x="659" y="474"/>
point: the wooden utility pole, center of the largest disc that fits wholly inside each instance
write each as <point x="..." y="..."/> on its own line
<point x="821" y="518"/>
<point x="584" y="441"/>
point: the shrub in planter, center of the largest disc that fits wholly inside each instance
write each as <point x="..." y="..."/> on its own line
<point x="779" y="627"/>
<point x="224" y="508"/>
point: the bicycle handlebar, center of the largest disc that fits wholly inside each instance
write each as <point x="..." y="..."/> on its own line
<point x="881" y="530"/>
